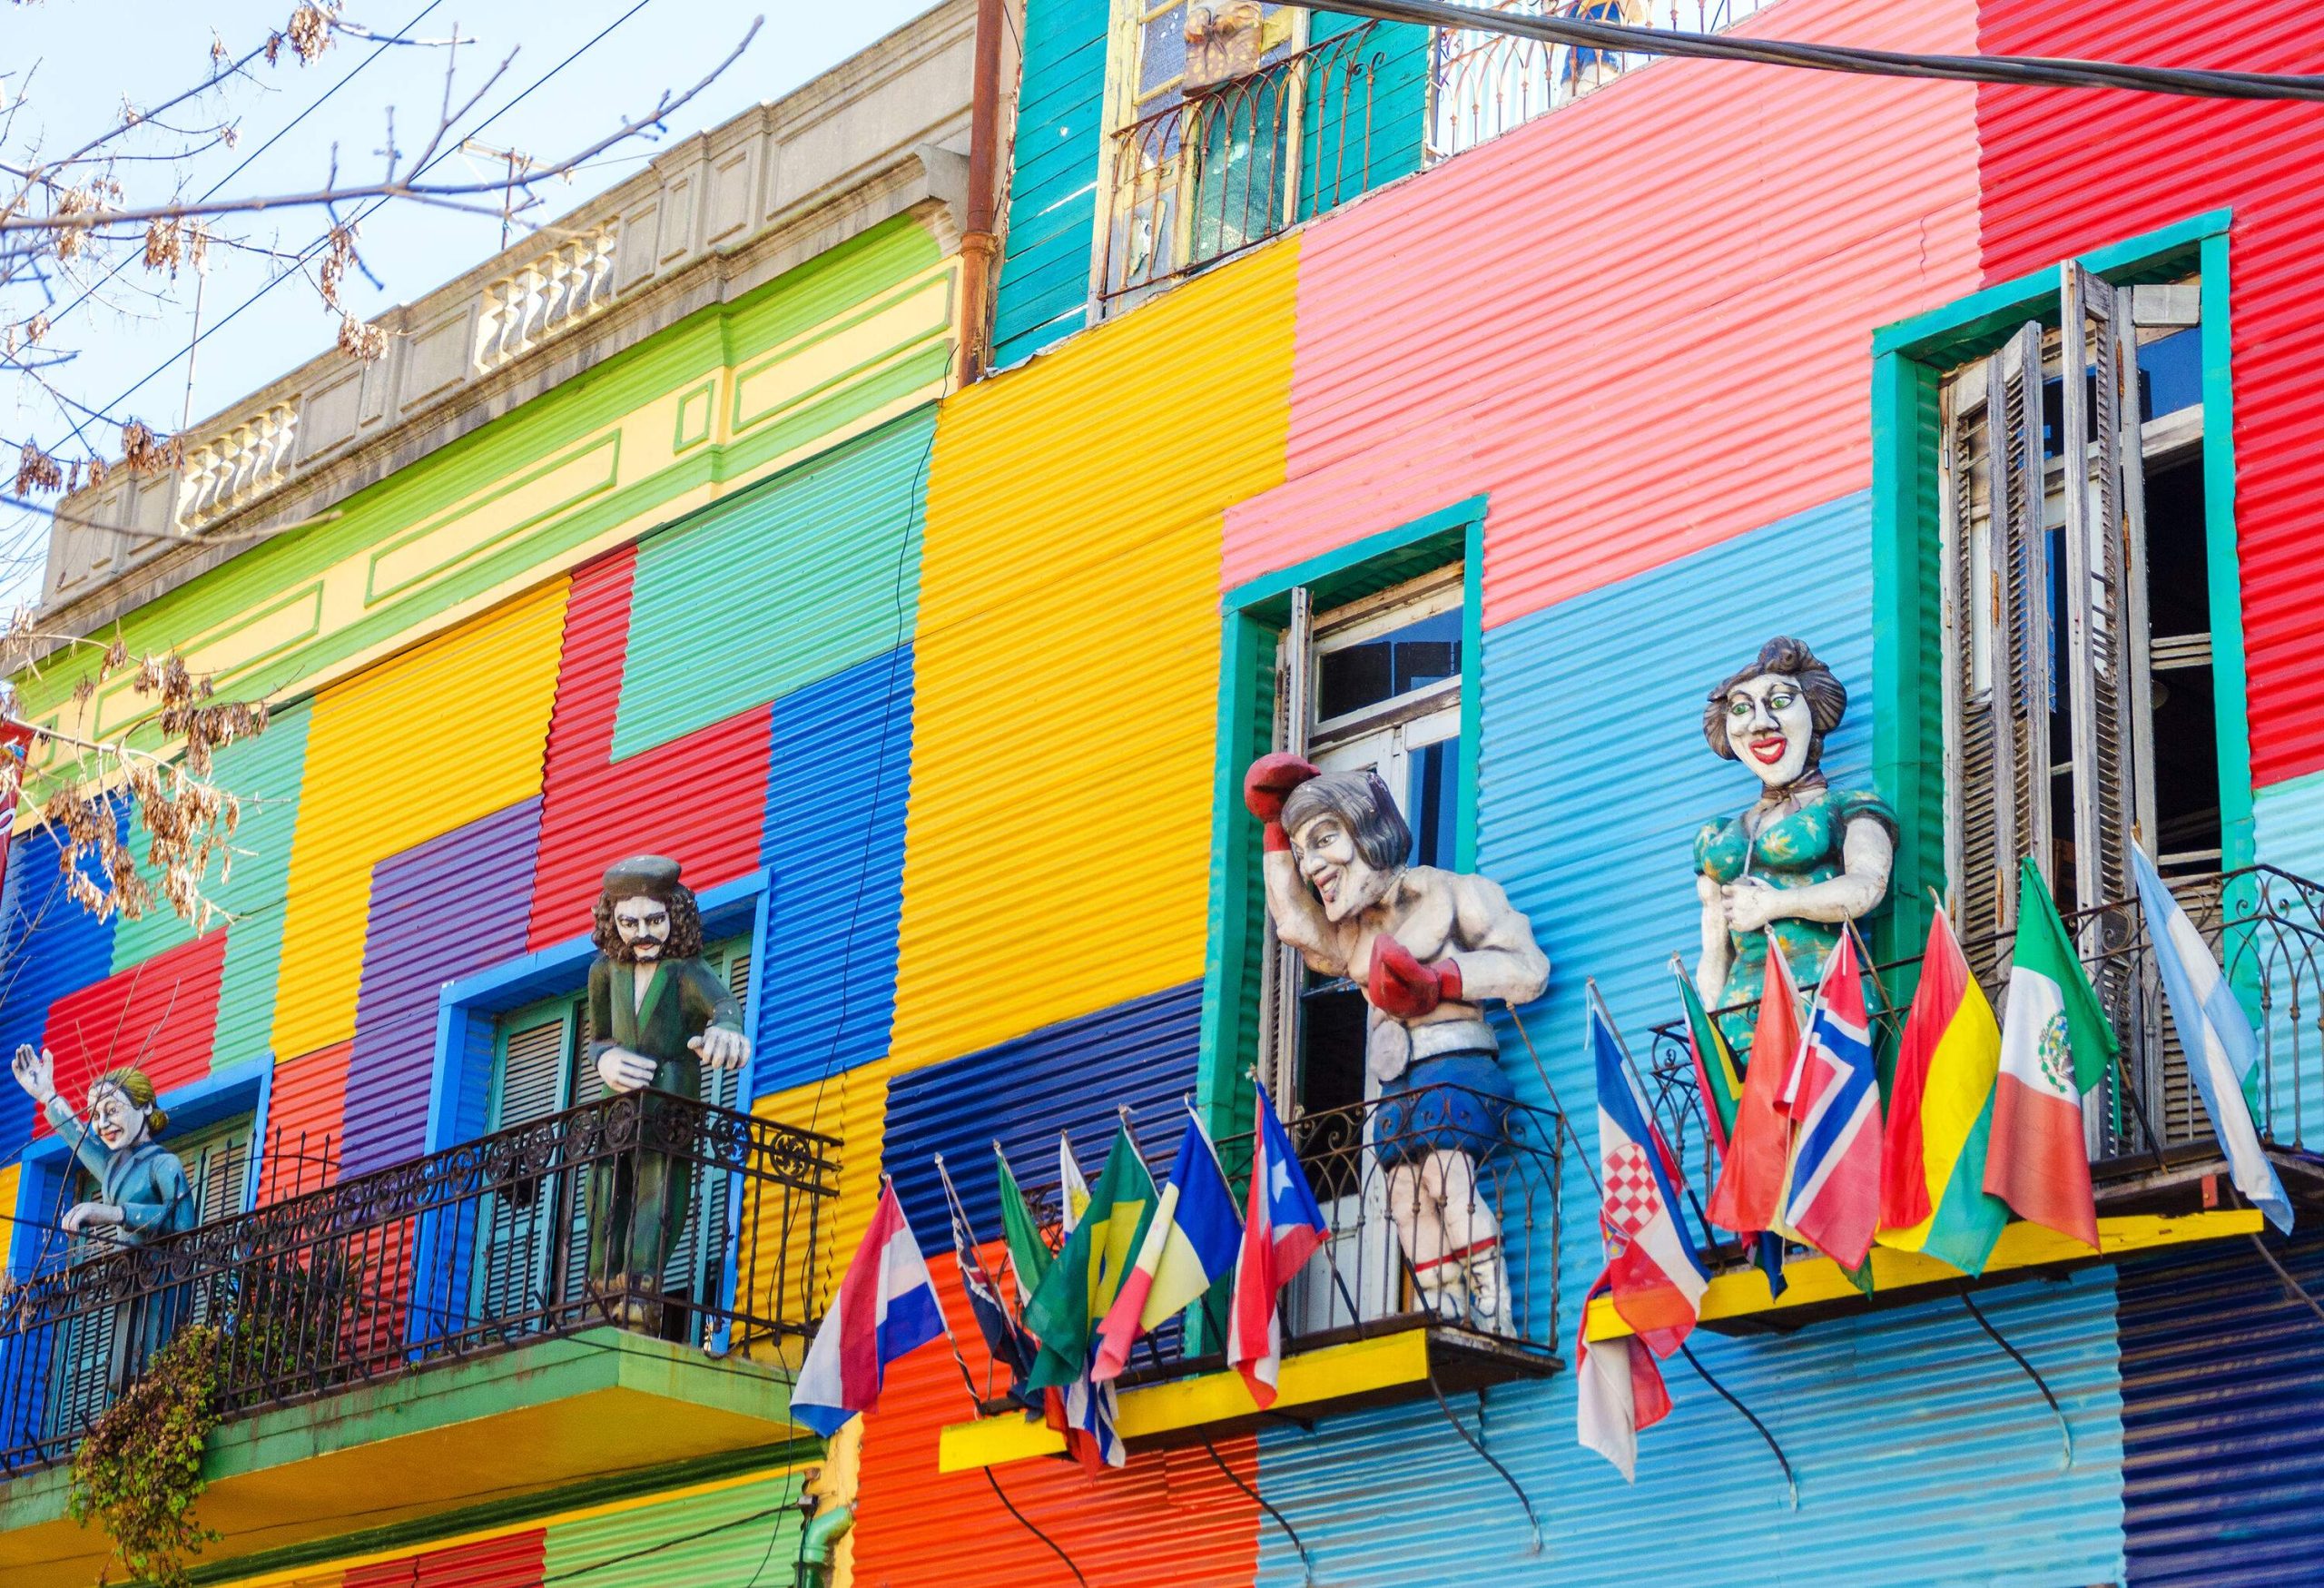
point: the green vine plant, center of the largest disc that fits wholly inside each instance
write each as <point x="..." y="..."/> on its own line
<point x="139" y="1470"/>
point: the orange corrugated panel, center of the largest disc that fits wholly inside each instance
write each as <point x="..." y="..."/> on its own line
<point x="159" y="1017"/>
<point x="1169" y="1519"/>
<point x="1641" y="323"/>
<point x="302" y="1123"/>
<point x="2064" y="172"/>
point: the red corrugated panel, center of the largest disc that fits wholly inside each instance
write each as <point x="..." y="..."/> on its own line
<point x="158" y="1016"/>
<point x="1167" y="1520"/>
<point x="701" y="799"/>
<point x="510" y="1561"/>
<point x="2066" y="171"/>
<point x="1642" y="323"/>
<point x="302" y="1123"/>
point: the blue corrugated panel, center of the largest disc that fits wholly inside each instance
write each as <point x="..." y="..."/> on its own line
<point x="2288" y="825"/>
<point x="1924" y="1455"/>
<point x="1067" y="1077"/>
<point x="2287" y="831"/>
<point x="1044" y="287"/>
<point x="446" y="908"/>
<point x="839" y="774"/>
<point x="53" y="947"/>
<point x="2223" y="1393"/>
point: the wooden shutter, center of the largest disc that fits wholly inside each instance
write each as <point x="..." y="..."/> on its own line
<point x="519" y="1220"/>
<point x="1281" y="972"/>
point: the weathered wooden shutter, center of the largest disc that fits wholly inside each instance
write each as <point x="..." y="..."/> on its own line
<point x="1282" y="970"/>
<point x="520" y="1220"/>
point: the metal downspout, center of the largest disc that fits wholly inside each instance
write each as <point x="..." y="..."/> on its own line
<point x="818" y="1540"/>
<point x="979" y="240"/>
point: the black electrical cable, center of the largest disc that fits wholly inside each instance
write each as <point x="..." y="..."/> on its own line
<point x="2020" y="71"/>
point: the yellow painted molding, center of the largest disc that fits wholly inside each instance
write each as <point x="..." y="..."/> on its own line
<point x="1333" y="1373"/>
<point x="1814" y="1281"/>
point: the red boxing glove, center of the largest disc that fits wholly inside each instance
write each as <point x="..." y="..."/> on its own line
<point x="1268" y="784"/>
<point x="1400" y="986"/>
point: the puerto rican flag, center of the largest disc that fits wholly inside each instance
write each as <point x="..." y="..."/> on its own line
<point x="1283" y="1227"/>
<point x="887" y="1307"/>
<point x="1652" y="1269"/>
<point x="1833" y="1097"/>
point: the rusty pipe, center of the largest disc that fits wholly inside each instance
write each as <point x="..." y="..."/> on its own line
<point x="979" y="241"/>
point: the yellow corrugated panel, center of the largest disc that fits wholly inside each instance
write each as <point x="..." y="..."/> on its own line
<point x="853" y="1105"/>
<point x="1058" y="849"/>
<point x="437" y="737"/>
<point x="8" y="1205"/>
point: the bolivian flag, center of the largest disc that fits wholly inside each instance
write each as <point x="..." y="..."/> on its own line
<point x="1081" y="1284"/>
<point x="1933" y="1195"/>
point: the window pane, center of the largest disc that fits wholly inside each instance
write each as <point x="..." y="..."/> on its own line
<point x="1162" y="55"/>
<point x="1431" y="802"/>
<point x="2171" y="373"/>
<point x="1381" y="668"/>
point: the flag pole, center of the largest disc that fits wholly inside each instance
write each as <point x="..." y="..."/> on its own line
<point x="1590" y="985"/>
<point x="1565" y="1120"/>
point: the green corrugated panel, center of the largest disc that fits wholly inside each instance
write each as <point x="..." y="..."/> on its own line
<point x="731" y="1537"/>
<point x="796" y="580"/>
<point x="1052" y="192"/>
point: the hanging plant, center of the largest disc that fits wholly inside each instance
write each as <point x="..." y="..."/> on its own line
<point x="139" y="1470"/>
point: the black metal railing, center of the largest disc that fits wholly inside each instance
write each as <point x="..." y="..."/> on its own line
<point x="483" y="1247"/>
<point x="1231" y="166"/>
<point x="2264" y="924"/>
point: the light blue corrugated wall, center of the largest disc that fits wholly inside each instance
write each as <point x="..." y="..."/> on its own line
<point x="2288" y="825"/>
<point x="1924" y="1454"/>
<point x="2288" y="831"/>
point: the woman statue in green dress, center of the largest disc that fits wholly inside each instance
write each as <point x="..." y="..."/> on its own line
<point x="1803" y="859"/>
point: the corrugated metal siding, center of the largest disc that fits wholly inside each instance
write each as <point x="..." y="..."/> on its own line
<point x="304" y="1117"/>
<point x="1167" y="1520"/>
<point x="409" y="955"/>
<point x="2223" y="1392"/>
<point x="851" y="1105"/>
<point x="1056" y="508"/>
<point x="272" y="771"/>
<point x="2064" y="172"/>
<point x="510" y="1561"/>
<point x="837" y="777"/>
<point x="2288" y="825"/>
<point x="649" y="1546"/>
<point x="1044" y="288"/>
<point x="1139" y="1055"/>
<point x="1569" y="316"/>
<point x="812" y="573"/>
<point x="53" y="946"/>
<point x="426" y="741"/>
<point x="159" y="1017"/>
<point x="699" y="799"/>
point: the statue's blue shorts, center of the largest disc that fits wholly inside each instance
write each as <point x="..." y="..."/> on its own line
<point x="1455" y="1102"/>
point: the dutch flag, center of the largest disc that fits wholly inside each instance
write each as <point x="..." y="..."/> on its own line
<point x="887" y="1307"/>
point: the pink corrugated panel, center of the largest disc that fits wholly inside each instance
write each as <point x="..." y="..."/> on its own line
<point x="1642" y="323"/>
<point x="2064" y="172"/>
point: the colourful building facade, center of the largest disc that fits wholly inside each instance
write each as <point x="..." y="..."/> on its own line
<point x="941" y="693"/>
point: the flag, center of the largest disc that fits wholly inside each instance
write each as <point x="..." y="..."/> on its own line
<point x="1004" y="1341"/>
<point x="1621" y="1392"/>
<point x="1933" y="1195"/>
<point x="1835" y="1202"/>
<point x="15" y="761"/>
<point x="1715" y="1075"/>
<point x="1652" y="1270"/>
<point x="1282" y="1228"/>
<point x="1749" y="1197"/>
<point x="1189" y="1245"/>
<point x="2216" y="1038"/>
<point x="1080" y="1285"/>
<point x="2055" y="1045"/>
<point x="886" y="1309"/>
<point x="1029" y="1255"/>
<point x="1072" y="1190"/>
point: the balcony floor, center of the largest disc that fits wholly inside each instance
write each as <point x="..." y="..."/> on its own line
<point x="545" y="1416"/>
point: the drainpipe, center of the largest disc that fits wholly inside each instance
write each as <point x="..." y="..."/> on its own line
<point x="978" y="239"/>
<point x="816" y="1542"/>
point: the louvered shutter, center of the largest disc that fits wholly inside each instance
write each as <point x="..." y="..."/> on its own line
<point x="520" y="1219"/>
<point x="697" y="1262"/>
<point x="1283" y="973"/>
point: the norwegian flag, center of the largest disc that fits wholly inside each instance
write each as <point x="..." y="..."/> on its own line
<point x="1653" y="1272"/>
<point x="1834" y="1100"/>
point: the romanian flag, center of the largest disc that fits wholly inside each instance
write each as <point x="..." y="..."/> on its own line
<point x="1933" y="1195"/>
<point x="1191" y="1245"/>
<point x="1720" y="1084"/>
<point x="1081" y="1285"/>
<point x="2055" y="1044"/>
<point x="1749" y="1196"/>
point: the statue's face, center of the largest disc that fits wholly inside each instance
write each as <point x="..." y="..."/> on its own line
<point x="1342" y="879"/>
<point x="119" y="1123"/>
<point x="645" y="927"/>
<point x="1770" y="726"/>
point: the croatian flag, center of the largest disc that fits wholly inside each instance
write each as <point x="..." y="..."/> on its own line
<point x="2216" y="1038"/>
<point x="1652" y="1269"/>
<point x="1622" y="1391"/>
<point x="1834" y="1098"/>
<point x="887" y="1307"/>
<point x="1283" y="1227"/>
<point x="1189" y="1245"/>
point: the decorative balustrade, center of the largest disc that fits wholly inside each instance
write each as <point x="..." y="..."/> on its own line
<point x="231" y="469"/>
<point x="523" y="308"/>
<point x="478" y="1248"/>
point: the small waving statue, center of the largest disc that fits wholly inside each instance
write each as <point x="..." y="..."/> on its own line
<point x="1427" y="947"/>
<point x="657" y="1015"/>
<point x="1803" y="859"/>
<point x="141" y="1189"/>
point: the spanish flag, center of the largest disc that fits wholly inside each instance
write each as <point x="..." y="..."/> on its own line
<point x="1933" y="1195"/>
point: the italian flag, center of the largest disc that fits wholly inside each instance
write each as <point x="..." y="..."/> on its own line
<point x="2055" y="1044"/>
<point x="1932" y="1194"/>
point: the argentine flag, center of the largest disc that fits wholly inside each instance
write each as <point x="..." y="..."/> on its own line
<point x="2216" y="1038"/>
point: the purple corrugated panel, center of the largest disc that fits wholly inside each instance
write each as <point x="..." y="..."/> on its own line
<point x="446" y="908"/>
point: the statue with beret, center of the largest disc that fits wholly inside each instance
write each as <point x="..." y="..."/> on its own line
<point x="657" y="1015"/>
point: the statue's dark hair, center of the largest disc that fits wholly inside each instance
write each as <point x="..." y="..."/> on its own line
<point x="1828" y="698"/>
<point x="1362" y="802"/>
<point x="685" y="926"/>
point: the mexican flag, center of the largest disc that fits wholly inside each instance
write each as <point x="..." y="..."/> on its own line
<point x="2055" y="1044"/>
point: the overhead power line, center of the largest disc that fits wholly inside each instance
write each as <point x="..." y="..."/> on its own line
<point x="2022" y="71"/>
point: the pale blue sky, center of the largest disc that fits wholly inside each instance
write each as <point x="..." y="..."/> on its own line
<point x="74" y="60"/>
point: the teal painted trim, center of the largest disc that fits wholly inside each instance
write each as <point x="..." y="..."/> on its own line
<point x="1472" y="684"/>
<point x="1269" y="595"/>
<point x="1907" y="724"/>
<point x="2229" y="679"/>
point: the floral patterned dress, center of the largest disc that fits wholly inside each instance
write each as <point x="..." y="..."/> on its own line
<point x="1794" y="850"/>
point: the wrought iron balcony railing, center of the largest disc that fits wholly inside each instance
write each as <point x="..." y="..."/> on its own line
<point x="480" y="1248"/>
<point x="2264" y="925"/>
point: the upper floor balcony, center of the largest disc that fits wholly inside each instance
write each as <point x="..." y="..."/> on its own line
<point x="617" y="1288"/>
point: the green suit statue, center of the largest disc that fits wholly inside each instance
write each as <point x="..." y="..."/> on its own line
<point x="657" y="1013"/>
